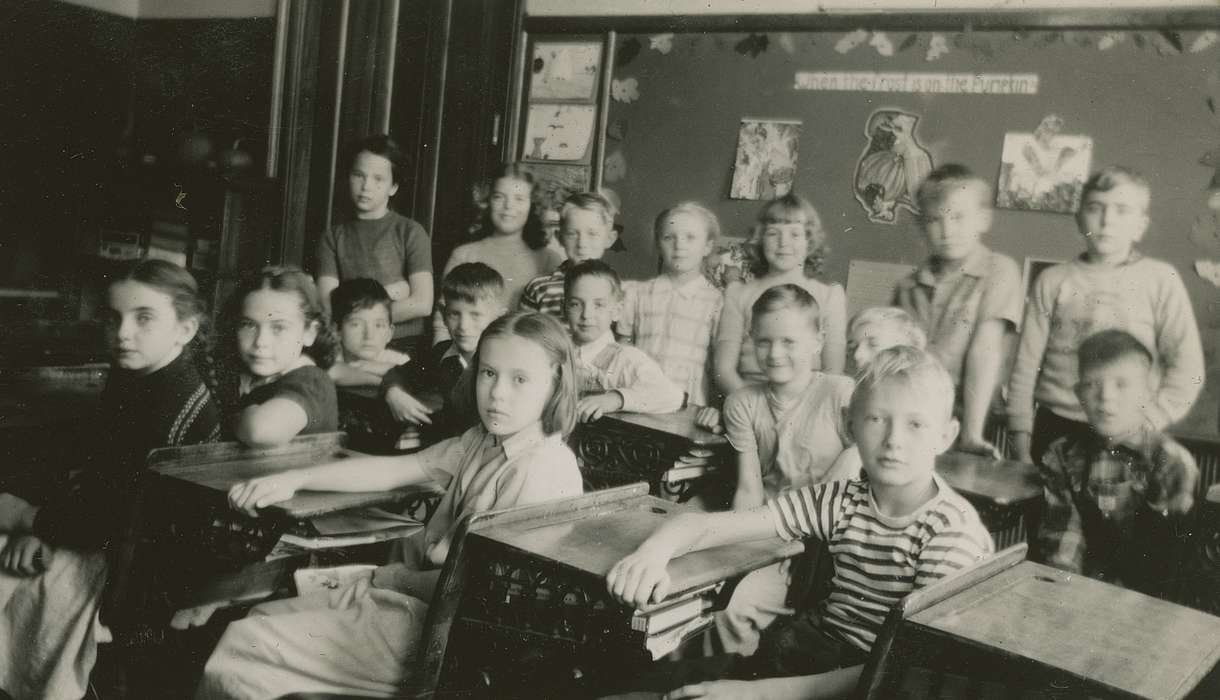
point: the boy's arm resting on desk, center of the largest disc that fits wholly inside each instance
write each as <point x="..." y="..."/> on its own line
<point x="358" y="474"/>
<point x="750" y="492"/>
<point x="984" y="363"/>
<point x="839" y="683"/>
<point x="642" y="577"/>
<point x="345" y="374"/>
<point x="645" y="388"/>
<point x="272" y="422"/>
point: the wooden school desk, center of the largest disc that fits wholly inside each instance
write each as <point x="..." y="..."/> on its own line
<point x="624" y="448"/>
<point x="187" y="547"/>
<point x="1006" y="494"/>
<point x="1033" y="631"/>
<point x="534" y="618"/>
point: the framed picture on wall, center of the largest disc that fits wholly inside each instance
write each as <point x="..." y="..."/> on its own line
<point x="565" y="70"/>
<point x="559" y="132"/>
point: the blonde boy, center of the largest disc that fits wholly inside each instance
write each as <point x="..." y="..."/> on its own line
<point x="674" y="316"/>
<point x="877" y="328"/>
<point x="586" y="230"/>
<point x="1110" y="286"/>
<point x="966" y="297"/>
<point x="613" y="377"/>
<point x="902" y="418"/>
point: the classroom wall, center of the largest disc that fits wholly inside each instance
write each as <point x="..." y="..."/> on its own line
<point x="678" y="137"/>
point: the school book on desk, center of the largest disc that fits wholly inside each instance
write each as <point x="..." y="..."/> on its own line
<point x="351" y="528"/>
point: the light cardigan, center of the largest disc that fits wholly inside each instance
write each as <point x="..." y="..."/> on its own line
<point x="1074" y="300"/>
<point x="606" y="365"/>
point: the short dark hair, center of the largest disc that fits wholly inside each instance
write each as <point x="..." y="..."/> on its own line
<point x="379" y="145"/>
<point x="355" y="295"/>
<point x="787" y="296"/>
<point x="1105" y="347"/>
<point x="592" y="268"/>
<point x="1112" y="176"/>
<point x="472" y="282"/>
<point x="946" y="178"/>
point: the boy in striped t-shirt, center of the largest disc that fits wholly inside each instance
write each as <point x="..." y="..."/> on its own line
<point x="897" y="528"/>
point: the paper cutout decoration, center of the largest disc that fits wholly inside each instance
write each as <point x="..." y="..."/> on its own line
<point x="1045" y="170"/>
<point x="882" y="43"/>
<point x="614" y="168"/>
<point x="565" y="71"/>
<point x="1208" y="270"/>
<point x="766" y="158"/>
<point x="559" y="132"/>
<point x="891" y="166"/>
<point x="662" y="43"/>
<point x="850" y="41"/>
<point x="938" y="46"/>
<point x="626" y="90"/>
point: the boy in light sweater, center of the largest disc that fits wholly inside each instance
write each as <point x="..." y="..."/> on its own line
<point x="1110" y="286"/>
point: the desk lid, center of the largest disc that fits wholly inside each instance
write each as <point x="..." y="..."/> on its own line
<point x="679" y="424"/>
<point x="592" y="541"/>
<point x="221" y="465"/>
<point x="1118" y="638"/>
<point x="1000" y="481"/>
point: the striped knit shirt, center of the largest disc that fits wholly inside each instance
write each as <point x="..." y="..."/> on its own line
<point x="676" y="326"/>
<point x="545" y="293"/>
<point x="878" y="559"/>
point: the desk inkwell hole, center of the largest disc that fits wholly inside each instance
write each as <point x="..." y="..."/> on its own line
<point x="1045" y="579"/>
<point x="657" y="510"/>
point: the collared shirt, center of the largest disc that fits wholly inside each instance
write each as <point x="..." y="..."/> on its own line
<point x="545" y="293"/>
<point x="1147" y="470"/>
<point x="950" y="308"/>
<point x="605" y="365"/>
<point x="797" y="444"/>
<point x="879" y="559"/>
<point x="676" y="326"/>
<point x="487" y="472"/>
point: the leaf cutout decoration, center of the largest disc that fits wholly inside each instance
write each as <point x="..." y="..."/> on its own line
<point x="627" y="51"/>
<point x="753" y="45"/>
<point x="1174" y="39"/>
<point x="1138" y="39"/>
<point x="908" y="42"/>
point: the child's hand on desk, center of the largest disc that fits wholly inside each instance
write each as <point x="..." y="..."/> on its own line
<point x="16" y="514"/>
<point x="251" y="495"/>
<point x="640" y="578"/>
<point x="25" y="555"/>
<point x="708" y="418"/>
<point x="406" y="408"/>
<point x="594" y="406"/>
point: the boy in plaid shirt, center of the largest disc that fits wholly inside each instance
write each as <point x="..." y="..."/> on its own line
<point x="674" y="316"/>
<point x="1110" y="490"/>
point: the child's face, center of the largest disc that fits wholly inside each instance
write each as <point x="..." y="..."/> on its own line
<point x="1114" y="395"/>
<point x="510" y="204"/>
<point x="272" y="332"/>
<point x="785" y="344"/>
<point x="684" y="243"/>
<point x="585" y="235"/>
<point x="365" y="333"/>
<point x="900" y="432"/>
<point x="785" y="246"/>
<point x="372" y="184"/>
<point x="952" y="227"/>
<point x="144" y="329"/>
<point x="868" y="339"/>
<point x="590" y="308"/>
<point x="514" y="383"/>
<point x="466" y="321"/>
<point x="1113" y="221"/>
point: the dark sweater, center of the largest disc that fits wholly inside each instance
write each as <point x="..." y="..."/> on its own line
<point x="171" y="406"/>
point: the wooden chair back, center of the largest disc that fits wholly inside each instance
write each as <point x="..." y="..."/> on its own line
<point x="889" y="657"/>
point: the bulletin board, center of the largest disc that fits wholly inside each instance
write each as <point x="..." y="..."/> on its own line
<point x="881" y="107"/>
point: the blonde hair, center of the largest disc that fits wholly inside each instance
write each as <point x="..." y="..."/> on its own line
<point x="910" y="366"/>
<point x="711" y="224"/>
<point x="790" y="209"/>
<point x="895" y="316"/>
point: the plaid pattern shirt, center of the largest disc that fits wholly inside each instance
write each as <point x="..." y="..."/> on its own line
<point x="676" y="326"/>
<point x="1103" y="530"/>
<point x="545" y="293"/>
